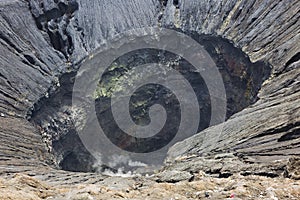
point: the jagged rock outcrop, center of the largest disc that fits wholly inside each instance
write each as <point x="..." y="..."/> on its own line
<point x="292" y="168"/>
<point x="42" y="40"/>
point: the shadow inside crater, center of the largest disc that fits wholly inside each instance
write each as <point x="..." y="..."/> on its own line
<point x="53" y="115"/>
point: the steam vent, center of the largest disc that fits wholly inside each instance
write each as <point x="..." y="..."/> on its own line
<point x="149" y="99"/>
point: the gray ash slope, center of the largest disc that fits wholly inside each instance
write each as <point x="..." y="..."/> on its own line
<point x="41" y="40"/>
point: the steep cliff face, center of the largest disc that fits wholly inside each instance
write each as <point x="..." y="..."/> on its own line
<point x="43" y="40"/>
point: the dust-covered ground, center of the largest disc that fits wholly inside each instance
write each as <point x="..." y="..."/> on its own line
<point x="23" y="187"/>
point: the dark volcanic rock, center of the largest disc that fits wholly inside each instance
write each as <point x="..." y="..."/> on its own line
<point x="42" y="40"/>
<point x="53" y="115"/>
